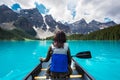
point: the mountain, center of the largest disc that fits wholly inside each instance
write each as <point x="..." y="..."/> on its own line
<point x="36" y="19"/>
<point x="50" y="22"/>
<point x="110" y="33"/>
<point x="95" y="25"/>
<point x="24" y="24"/>
<point x="49" y="27"/>
<point x="32" y="22"/>
<point x="53" y="25"/>
<point x="7" y="26"/>
<point x="82" y="27"/>
<point x="7" y="15"/>
<point x="13" y="33"/>
<point x="111" y="23"/>
<point x="33" y="16"/>
<point x="63" y="27"/>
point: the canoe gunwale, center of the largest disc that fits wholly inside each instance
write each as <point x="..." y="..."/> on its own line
<point x="34" y="72"/>
<point x="82" y="71"/>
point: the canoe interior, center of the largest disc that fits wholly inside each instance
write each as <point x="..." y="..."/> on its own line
<point x="39" y="73"/>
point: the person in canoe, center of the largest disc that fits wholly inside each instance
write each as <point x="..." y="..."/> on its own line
<point x="60" y="56"/>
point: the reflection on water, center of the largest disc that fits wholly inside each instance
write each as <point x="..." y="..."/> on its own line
<point x="43" y="43"/>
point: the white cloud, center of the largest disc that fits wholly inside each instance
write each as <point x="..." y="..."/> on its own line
<point x="58" y="9"/>
<point x="23" y="3"/>
<point x="88" y="9"/>
<point x="72" y="7"/>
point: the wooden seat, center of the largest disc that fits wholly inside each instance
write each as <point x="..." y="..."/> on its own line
<point x="76" y="76"/>
<point x="44" y="77"/>
<point x="44" y="69"/>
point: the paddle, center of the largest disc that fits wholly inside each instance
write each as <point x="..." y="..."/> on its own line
<point x="84" y="54"/>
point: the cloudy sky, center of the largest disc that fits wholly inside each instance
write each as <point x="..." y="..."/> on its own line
<point x="72" y="10"/>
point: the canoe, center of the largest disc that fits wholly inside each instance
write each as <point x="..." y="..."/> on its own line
<point x="39" y="73"/>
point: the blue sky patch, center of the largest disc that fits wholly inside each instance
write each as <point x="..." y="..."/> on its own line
<point x="15" y="6"/>
<point x="42" y="9"/>
<point x="72" y="8"/>
<point x="73" y="13"/>
<point x="107" y="19"/>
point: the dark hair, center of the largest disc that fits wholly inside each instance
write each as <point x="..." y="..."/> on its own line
<point x="59" y="38"/>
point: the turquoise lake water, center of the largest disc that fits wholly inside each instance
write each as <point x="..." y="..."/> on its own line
<point x="18" y="58"/>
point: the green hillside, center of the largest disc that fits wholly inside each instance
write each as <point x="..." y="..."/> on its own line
<point x="74" y="37"/>
<point x="15" y="34"/>
<point x="111" y="33"/>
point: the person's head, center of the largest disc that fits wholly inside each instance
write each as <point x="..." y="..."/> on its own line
<point x="59" y="38"/>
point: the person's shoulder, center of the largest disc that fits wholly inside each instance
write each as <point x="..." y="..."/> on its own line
<point x="66" y="44"/>
<point x="52" y="45"/>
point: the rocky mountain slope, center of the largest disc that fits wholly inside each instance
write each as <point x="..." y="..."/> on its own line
<point x="83" y="27"/>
